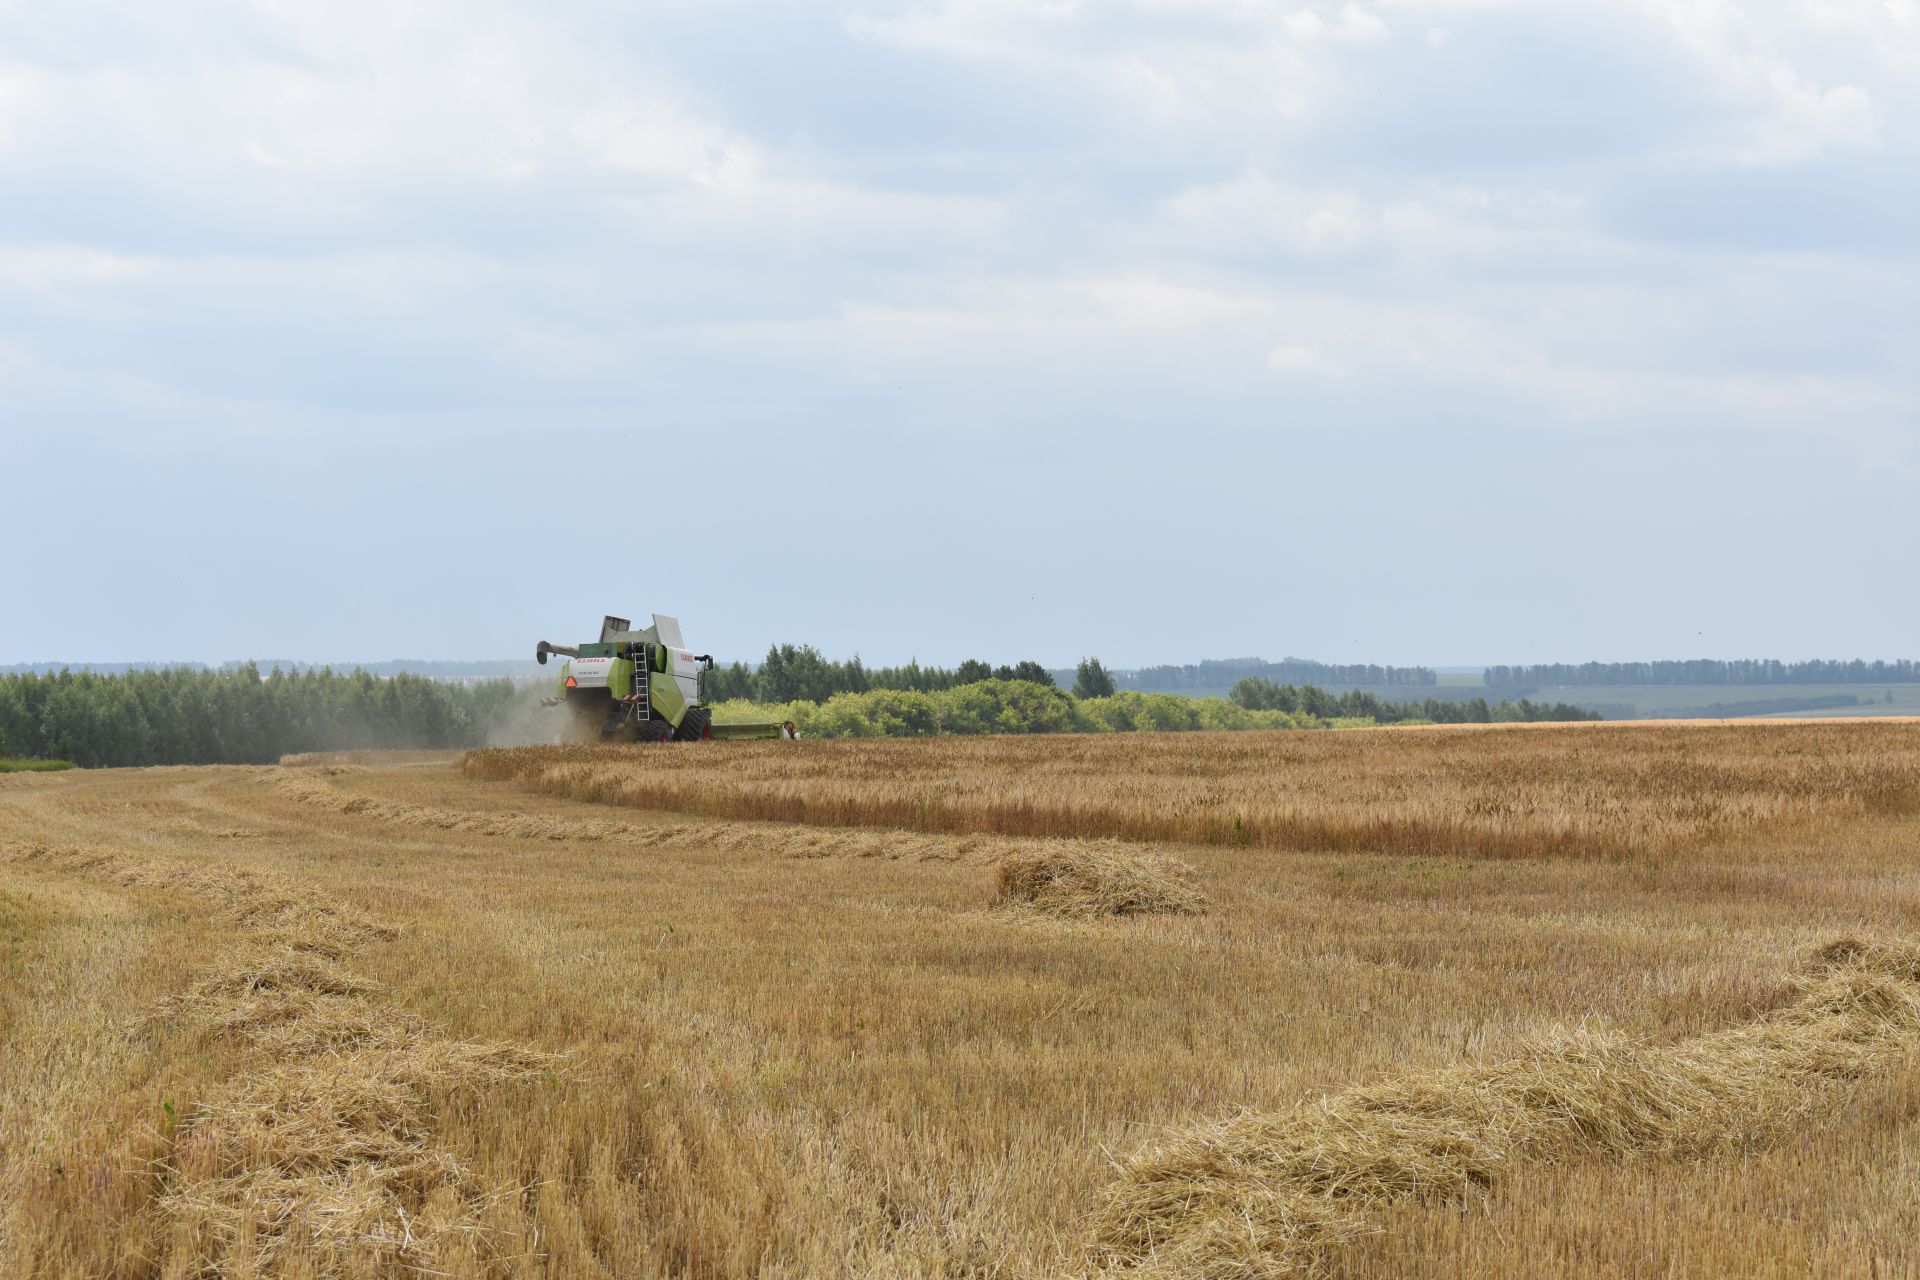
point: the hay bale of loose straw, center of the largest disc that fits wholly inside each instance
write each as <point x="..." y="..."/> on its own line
<point x="1268" y="1194"/>
<point x="1084" y="880"/>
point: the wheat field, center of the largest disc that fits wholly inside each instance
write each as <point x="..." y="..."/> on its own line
<point x="1586" y="1001"/>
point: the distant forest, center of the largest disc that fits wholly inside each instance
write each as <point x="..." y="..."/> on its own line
<point x="1741" y="671"/>
<point x="1256" y="694"/>
<point x="1221" y="673"/>
<point x="234" y="716"/>
<point x="801" y="673"/>
<point x="436" y="669"/>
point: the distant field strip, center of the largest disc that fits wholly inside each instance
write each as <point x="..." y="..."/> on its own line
<point x="1501" y="793"/>
<point x="1267" y="1195"/>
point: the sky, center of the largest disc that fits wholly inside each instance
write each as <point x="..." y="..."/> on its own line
<point x="1431" y="331"/>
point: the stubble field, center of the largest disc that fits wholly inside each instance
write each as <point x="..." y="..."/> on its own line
<point x="1526" y="1001"/>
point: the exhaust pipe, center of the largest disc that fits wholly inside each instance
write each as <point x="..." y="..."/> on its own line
<point x="540" y="654"/>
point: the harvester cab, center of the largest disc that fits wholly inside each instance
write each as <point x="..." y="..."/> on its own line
<point x="642" y="686"/>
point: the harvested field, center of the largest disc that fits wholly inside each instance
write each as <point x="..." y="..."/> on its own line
<point x="1511" y="1002"/>
<point x="1272" y="1195"/>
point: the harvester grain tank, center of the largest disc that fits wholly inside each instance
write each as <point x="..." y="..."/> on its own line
<point x="642" y="686"/>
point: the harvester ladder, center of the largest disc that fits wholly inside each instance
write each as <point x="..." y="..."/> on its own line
<point x="641" y="709"/>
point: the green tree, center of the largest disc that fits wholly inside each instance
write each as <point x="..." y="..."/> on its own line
<point x="1316" y="701"/>
<point x="1257" y="693"/>
<point x="972" y="671"/>
<point x="1092" y="680"/>
<point x="797" y="673"/>
<point x="723" y="684"/>
<point x="1006" y="706"/>
<point x="771" y="683"/>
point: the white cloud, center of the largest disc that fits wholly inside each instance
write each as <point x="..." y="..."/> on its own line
<point x="1439" y="224"/>
<point x="16" y="361"/>
<point x="13" y="93"/>
<point x="349" y="97"/>
<point x="65" y="266"/>
<point x="1596" y="354"/>
<point x="1754" y="58"/>
<point x="1352" y="23"/>
<point x="1295" y="358"/>
<point x="1211" y="221"/>
<point x="1140" y="302"/>
<point x="1233" y="68"/>
<point x="663" y="139"/>
<point x="1254" y="209"/>
<point x="1806" y="121"/>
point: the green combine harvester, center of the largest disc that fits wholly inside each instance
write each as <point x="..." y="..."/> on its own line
<point x="642" y="686"/>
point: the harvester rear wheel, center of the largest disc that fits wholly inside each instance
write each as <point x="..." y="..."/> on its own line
<point x="693" y="725"/>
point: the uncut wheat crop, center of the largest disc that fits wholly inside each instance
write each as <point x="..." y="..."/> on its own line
<point x="1605" y="791"/>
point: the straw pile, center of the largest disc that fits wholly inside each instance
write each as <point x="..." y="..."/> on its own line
<point x="325" y="1141"/>
<point x="250" y="899"/>
<point x="331" y="1150"/>
<point x="1263" y="1195"/>
<point x="1085" y="880"/>
<point x="323" y="1138"/>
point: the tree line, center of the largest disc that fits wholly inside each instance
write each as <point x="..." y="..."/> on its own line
<point x="236" y="715"/>
<point x="996" y="706"/>
<point x="1707" y="671"/>
<point x="1018" y="706"/>
<point x="801" y="673"/>
<point x="240" y="716"/>
<point x="1257" y="694"/>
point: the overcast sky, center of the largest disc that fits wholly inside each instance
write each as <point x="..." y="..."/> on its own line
<point x="1400" y="332"/>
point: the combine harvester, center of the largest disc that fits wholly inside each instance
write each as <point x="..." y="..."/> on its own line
<point x="643" y="686"/>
